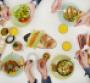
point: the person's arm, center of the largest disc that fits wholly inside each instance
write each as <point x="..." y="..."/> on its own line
<point x="56" y="5"/>
<point x="28" y="72"/>
<point x="48" y="80"/>
<point x="84" y="19"/>
<point x="87" y="71"/>
<point x="43" y="70"/>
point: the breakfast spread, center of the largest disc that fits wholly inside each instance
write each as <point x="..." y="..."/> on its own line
<point x="24" y="40"/>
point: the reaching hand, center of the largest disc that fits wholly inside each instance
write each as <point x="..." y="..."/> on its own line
<point x="84" y="19"/>
<point x="28" y="71"/>
<point x="42" y="68"/>
<point x="88" y="40"/>
<point x="83" y="59"/>
<point x="56" y="5"/>
<point x="32" y="9"/>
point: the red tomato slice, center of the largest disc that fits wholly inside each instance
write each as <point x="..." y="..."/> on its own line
<point x="24" y="20"/>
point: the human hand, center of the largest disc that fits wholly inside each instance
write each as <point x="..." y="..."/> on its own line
<point x="28" y="71"/>
<point x="84" y="19"/>
<point x="56" y="5"/>
<point x="5" y="13"/>
<point x="84" y="40"/>
<point x="88" y="40"/>
<point x="32" y="9"/>
<point x="83" y="59"/>
<point x="42" y="68"/>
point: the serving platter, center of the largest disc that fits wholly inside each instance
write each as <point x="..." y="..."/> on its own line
<point x="12" y="64"/>
<point x="66" y="8"/>
<point x="17" y="13"/>
<point x="54" y="64"/>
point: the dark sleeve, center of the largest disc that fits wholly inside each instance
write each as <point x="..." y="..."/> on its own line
<point x="2" y="0"/>
<point x="48" y="80"/>
<point x="37" y="2"/>
<point x="87" y="71"/>
<point x="34" y="81"/>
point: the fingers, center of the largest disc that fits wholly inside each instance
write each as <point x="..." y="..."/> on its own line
<point x="84" y="19"/>
<point x="41" y="63"/>
<point x="79" y="60"/>
<point x="81" y="20"/>
<point x="56" y="5"/>
<point x="78" y="52"/>
<point x="88" y="40"/>
<point x="38" y="65"/>
<point x="28" y="64"/>
<point x="82" y="41"/>
<point x="81" y="54"/>
<point x="85" y="55"/>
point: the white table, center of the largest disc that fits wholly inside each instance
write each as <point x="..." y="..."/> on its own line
<point x="45" y="20"/>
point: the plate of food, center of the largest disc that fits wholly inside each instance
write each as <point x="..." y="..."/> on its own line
<point x="62" y="67"/>
<point x="69" y="13"/>
<point x="13" y="64"/>
<point x="40" y="39"/>
<point x="21" y="14"/>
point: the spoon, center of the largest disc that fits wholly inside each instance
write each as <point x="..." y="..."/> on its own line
<point x="61" y="10"/>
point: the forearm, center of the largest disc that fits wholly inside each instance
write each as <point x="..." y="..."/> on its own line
<point x="87" y="71"/>
<point x="48" y="80"/>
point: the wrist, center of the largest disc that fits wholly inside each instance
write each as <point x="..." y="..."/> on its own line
<point x="44" y="76"/>
<point x="86" y="65"/>
<point x="31" y="80"/>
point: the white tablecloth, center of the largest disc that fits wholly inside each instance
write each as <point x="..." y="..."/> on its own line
<point x="45" y="20"/>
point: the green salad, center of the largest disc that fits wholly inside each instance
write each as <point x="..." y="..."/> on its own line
<point x="72" y="14"/>
<point x="22" y="13"/>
